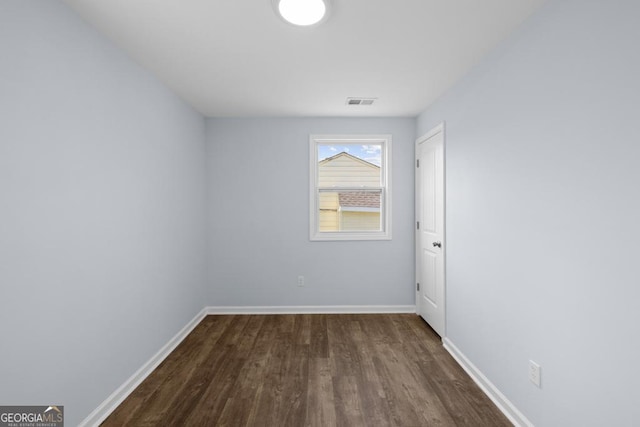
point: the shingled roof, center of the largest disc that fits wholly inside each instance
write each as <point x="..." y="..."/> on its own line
<point x="360" y="199"/>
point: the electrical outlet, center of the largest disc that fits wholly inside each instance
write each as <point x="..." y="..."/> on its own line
<point x="534" y="373"/>
<point x="301" y="281"/>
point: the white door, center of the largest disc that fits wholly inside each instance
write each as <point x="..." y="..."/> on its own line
<point x="430" y="244"/>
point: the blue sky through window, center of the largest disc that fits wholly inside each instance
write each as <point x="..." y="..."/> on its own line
<point x="370" y="153"/>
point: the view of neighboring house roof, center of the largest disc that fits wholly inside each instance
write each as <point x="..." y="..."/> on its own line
<point x="363" y="199"/>
<point x="345" y="154"/>
<point x="344" y="169"/>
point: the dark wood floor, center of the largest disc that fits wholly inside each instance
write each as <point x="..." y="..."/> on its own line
<point x="309" y="370"/>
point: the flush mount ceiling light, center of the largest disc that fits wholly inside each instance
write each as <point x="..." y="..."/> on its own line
<point x="303" y="13"/>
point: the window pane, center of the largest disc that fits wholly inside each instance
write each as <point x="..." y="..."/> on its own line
<point x="349" y="210"/>
<point x="350" y="182"/>
<point x="349" y="165"/>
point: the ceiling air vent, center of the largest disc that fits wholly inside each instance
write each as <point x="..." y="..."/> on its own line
<point x="360" y="101"/>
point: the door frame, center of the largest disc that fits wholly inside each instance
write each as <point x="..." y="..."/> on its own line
<point x="439" y="128"/>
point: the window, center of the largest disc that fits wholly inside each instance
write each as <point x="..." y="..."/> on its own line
<point x="350" y="187"/>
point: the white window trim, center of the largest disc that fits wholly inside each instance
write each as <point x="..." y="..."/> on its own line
<point x="355" y="209"/>
<point x="385" y="170"/>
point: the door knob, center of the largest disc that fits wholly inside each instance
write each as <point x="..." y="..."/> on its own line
<point x="437" y="244"/>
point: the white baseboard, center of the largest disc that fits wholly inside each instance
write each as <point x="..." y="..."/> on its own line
<point x="118" y="396"/>
<point x="313" y="309"/>
<point x="501" y="401"/>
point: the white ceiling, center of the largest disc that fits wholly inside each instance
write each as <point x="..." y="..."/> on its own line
<point x="236" y="58"/>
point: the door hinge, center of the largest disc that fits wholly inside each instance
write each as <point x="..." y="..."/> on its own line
<point x="417" y="163"/>
<point x="417" y="225"/>
<point x="418" y="286"/>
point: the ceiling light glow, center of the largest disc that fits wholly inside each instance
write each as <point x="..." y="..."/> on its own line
<point x="302" y="12"/>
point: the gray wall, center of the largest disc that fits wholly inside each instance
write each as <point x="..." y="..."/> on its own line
<point x="542" y="213"/>
<point x="104" y="223"/>
<point x="101" y="212"/>
<point x="259" y="219"/>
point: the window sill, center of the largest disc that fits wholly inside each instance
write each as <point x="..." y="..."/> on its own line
<point x="349" y="236"/>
